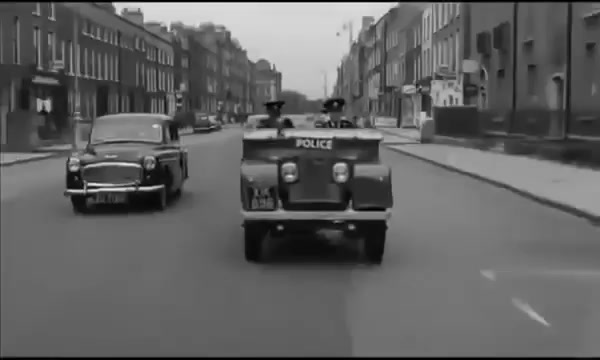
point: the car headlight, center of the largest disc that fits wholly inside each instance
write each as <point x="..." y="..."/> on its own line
<point x="289" y="172"/>
<point x="149" y="162"/>
<point x="73" y="164"/>
<point x="340" y="172"/>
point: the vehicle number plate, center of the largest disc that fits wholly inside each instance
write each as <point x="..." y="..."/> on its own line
<point x="262" y="199"/>
<point x="111" y="198"/>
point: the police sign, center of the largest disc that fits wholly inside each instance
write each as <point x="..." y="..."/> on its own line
<point x="322" y="144"/>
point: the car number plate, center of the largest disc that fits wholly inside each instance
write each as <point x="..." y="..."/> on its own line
<point x="262" y="199"/>
<point x="111" y="198"/>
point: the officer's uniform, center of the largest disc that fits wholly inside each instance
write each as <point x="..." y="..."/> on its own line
<point x="273" y="109"/>
<point x="335" y="107"/>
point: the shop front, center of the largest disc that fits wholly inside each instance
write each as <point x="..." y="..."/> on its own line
<point x="46" y="94"/>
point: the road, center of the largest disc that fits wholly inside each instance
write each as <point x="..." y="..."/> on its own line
<point x="470" y="270"/>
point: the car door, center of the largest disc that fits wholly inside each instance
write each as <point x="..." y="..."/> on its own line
<point x="171" y="158"/>
<point x="175" y="146"/>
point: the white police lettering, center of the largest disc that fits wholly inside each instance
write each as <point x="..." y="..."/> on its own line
<point x="324" y="144"/>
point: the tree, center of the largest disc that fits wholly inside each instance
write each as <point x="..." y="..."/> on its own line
<point x="297" y="103"/>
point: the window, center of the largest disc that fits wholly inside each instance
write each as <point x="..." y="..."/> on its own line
<point x="86" y="26"/>
<point x="1" y="43"/>
<point x="531" y="80"/>
<point x="51" y="47"/>
<point x="51" y="11"/>
<point x="137" y="74"/>
<point x="99" y="68"/>
<point x="457" y="55"/>
<point x="37" y="10"/>
<point x="117" y="72"/>
<point x="451" y="54"/>
<point x="98" y="33"/>
<point x="93" y="58"/>
<point x="106" y="36"/>
<point x="111" y="68"/>
<point x="16" y="41"/>
<point x="78" y="60"/>
<point x="70" y="52"/>
<point x="86" y="63"/>
<point x="63" y="47"/>
<point x="106" y="74"/>
<point x="143" y="75"/>
<point x="37" y="46"/>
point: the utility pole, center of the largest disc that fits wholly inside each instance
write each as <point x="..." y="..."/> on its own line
<point x="569" y="73"/>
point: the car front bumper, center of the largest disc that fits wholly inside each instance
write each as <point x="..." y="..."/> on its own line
<point x="92" y="189"/>
<point x="346" y="215"/>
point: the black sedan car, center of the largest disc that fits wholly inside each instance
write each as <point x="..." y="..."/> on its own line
<point x="127" y="156"/>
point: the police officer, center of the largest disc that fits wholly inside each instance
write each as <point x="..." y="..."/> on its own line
<point x="335" y="108"/>
<point x="273" y="109"/>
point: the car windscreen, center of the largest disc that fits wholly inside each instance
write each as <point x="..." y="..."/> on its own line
<point x="123" y="130"/>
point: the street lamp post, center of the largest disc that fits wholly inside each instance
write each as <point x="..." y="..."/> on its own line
<point x="76" y="118"/>
<point x="324" y="85"/>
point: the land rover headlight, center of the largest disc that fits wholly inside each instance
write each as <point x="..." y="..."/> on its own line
<point x="340" y="172"/>
<point x="289" y="172"/>
<point x="149" y="162"/>
<point x="73" y="164"/>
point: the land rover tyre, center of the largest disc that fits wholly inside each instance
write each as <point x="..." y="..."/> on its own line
<point x="79" y="203"/>
<point x="375" y="241"/>
<point x="254" y="235"/>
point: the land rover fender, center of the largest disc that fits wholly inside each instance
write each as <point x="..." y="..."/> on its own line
<point x="256" y="176"/>
<point x="372" y="187"/>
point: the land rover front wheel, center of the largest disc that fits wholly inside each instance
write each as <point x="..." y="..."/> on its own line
<point x="253" y="240"/>
<point x="375" y="242"/>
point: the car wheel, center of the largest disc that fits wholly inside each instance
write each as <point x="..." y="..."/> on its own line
<point x="79" y="204"/>
<point x="375" y="242"/>
<point x="253" y="241"/>
<point x="160" y="199"/>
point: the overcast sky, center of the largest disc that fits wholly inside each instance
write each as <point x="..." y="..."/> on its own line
<point x="299" y="38"/>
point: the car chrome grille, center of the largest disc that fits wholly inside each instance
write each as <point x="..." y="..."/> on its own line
<point x="112" y="173"/>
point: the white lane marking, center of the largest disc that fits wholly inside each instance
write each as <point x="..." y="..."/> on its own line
<point x="586" y="273"/>
<point x="488" y="274"/>
<point x="529" y="311"/>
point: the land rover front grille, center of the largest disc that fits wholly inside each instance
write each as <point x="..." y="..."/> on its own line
<point x="315" y="189"/>
<point x="112" y="173"/>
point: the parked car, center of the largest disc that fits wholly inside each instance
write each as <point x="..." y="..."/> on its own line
<point x="308" y="180"/>
<point x="128" y="156"/>
<point x="215" y="125"/>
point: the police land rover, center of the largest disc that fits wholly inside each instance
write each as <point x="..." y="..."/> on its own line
<point x="308" y="180"/>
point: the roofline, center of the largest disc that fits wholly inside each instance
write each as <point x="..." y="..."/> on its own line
<point x="130" y="22"/>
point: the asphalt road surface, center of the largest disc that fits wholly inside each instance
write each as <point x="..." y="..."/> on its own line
<point x="469" y="270"/>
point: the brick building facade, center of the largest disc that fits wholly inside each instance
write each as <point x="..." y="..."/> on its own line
<point x="525" y="67"/>
<point x="118" y="64"/>
<point x="268" y="83"/>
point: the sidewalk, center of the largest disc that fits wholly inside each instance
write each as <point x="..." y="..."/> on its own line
<point x="569" y="188"/>
<point x="8" y="159"/>
<point x="45" y="152"/>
